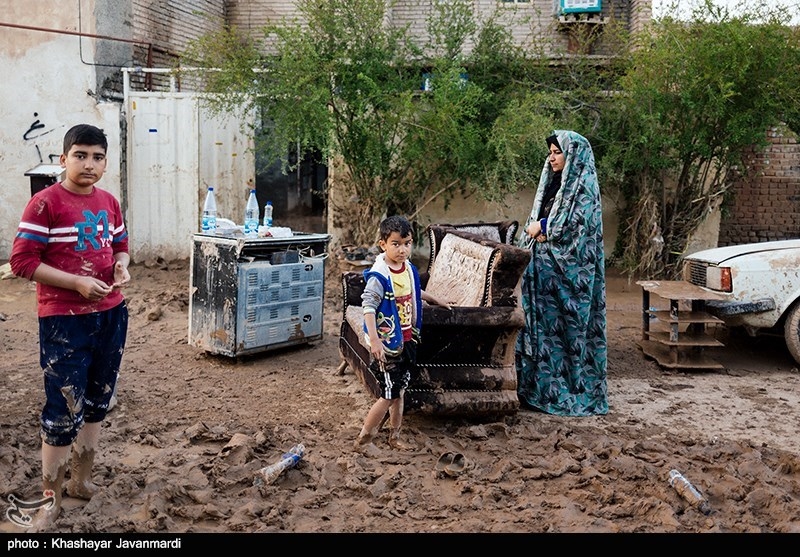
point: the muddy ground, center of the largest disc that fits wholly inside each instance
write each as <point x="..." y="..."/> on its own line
<point x="182" y="450"/>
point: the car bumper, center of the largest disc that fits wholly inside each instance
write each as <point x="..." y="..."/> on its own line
<point x="724" y="309"/>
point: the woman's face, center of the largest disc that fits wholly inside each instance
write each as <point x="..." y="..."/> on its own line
<point x="556" y="158"/>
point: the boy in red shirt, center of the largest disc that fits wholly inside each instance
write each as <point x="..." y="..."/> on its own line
<point x="72" y="242"/>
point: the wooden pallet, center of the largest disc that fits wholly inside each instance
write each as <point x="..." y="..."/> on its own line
<point x="681" y="341"/>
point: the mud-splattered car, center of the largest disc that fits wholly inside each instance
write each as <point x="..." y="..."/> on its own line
<point x="762" y="285"/>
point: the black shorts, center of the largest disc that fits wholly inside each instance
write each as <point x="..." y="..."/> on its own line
<point x="396" y="373"/>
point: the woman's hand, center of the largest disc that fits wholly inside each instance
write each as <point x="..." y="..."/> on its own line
<point x="534" y="229"/>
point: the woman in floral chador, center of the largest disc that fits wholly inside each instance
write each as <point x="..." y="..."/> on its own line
<point x="561" y="352"/>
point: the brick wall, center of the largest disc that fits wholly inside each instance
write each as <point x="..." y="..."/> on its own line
<point x="169" y="25"/>
<point x="766" y="207"/>
<point x="252" y="15"/>
<point x="641" y="12"/>
<point x="172" y="24"/>
<point x="533" y="24"/>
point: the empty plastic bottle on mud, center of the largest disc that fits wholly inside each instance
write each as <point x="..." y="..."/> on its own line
<point x="288" y="460"/>
<point x="251" y="216"/>
<point x="686" y="490"/>
<point x="268" y="214"/>
<point x="208" y="224"/>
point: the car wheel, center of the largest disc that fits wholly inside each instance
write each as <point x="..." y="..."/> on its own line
<point x="791" y="331"/>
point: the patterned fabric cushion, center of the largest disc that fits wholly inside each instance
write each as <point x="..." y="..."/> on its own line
<point x="488" y="231"/>
<point x="502" y="232"/>
<point x="460" y="275"/>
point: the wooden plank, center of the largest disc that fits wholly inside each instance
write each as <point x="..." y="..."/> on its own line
<point x="679" y="290"/>
<point x="665" y="358"/>
<point x="685" y="316"/>
<point x="688" y="340"/>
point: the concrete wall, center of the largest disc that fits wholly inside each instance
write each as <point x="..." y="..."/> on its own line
<point x="48" y="85"/>
<point x="61" y="66"/>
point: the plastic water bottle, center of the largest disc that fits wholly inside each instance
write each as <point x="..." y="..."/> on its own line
<point x="288" y="460"/>
<point x="686" y="490"/>
<point x="208" y="224"/>
<point x="268" y="214"/>
<point x="251" y="216"/>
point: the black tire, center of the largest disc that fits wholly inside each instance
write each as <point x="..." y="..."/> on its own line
<point x="791" y="331"/>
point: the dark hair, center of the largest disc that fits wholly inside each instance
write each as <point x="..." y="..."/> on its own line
<point x="84" y="134"/>
<point x="395" y="223"/>
<point x="553" y="140"/>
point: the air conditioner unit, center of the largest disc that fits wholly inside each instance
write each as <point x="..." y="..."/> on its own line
<point x="580" y="6"/>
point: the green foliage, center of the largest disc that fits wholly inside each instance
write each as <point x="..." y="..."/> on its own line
<point x="668" y="120"/>
<point x="693" y="99"/>
<point x="339" y="82"/>
<point x="450" y="25"/>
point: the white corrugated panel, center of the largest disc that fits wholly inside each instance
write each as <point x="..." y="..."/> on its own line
<point x="176" y="150"/>
<point x="227" y="162"/>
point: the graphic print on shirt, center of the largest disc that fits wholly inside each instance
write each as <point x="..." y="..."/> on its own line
<point x="385" y="325"/>
<point x="401" y="283"/>
<point x="88" y="231"/>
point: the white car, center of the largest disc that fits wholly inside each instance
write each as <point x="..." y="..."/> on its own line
<point x="761" y="282"/>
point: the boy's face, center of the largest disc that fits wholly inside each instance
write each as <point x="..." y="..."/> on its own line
<point x="397" y="248"/>
<point x="85" y="165"/>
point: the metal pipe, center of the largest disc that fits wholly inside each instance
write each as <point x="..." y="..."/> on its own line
<point x="148" y="83"/>
<point x="77" y="33"/>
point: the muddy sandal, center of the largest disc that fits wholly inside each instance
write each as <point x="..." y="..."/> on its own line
<point x="444" y="461"/>
<point x="457" y="466"/>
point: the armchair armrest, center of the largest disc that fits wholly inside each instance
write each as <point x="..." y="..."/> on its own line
<point x="352" y="287"/>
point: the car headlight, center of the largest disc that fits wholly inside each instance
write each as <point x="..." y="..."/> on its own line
<point x="719" y="278"/>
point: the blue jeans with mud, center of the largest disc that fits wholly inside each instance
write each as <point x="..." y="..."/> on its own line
<point x="80" y="356"/>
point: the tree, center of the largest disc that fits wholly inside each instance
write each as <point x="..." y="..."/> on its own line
<point x="694" y="97"/>
<point x="340" y="82"/>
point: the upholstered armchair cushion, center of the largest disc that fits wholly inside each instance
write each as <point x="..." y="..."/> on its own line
<point x="470" y="270"/>
<point x="503" y="232"/>
<point x="462" y="272"/>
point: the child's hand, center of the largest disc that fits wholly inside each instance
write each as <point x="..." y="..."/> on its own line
<point x="431" y="299"/>
<point x="121" y="275"/>
<point x="92" y="288"/>
<point x="379" y="355"/>
<point x="376" y="349"/>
